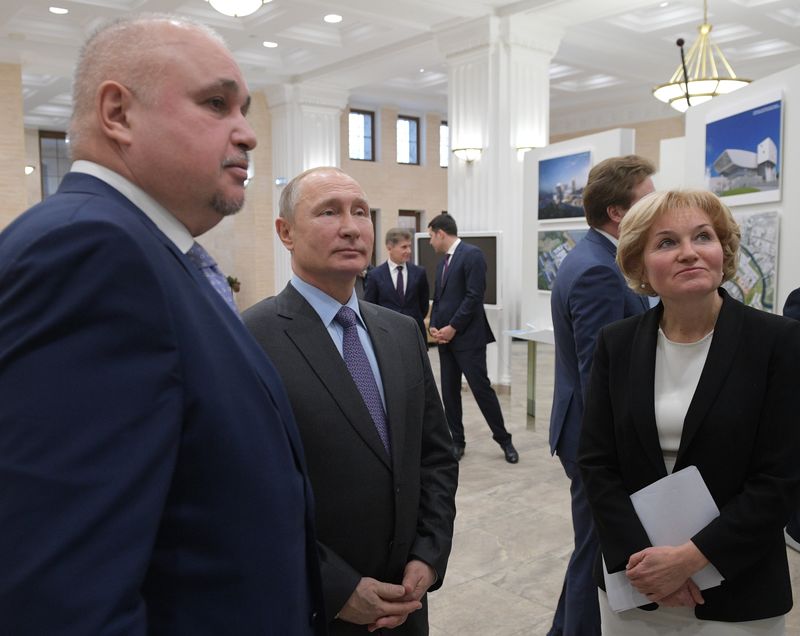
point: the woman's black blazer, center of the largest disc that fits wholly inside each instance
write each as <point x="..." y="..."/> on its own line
<point x="742" y="431"/>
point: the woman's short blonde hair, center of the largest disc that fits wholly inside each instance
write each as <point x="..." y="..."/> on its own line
<point x="635" y="229"/>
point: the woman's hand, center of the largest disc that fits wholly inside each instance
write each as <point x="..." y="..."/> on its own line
<point x="657" y="572"/>
<point x="688" y="595"/>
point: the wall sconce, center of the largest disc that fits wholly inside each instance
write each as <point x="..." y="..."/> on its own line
<point x="29" y="169"/>
<point x="468" y="154"/>
<point x="281" y="181"/>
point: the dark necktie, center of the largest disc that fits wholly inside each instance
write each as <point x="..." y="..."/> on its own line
<point x="358" y="364"/>
<point x="208" y="266"/>
<point x="400" y="289"/>
<point x="444" y="269"/>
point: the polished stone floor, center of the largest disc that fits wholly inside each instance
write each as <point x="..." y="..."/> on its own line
<point x="513" y="534"/>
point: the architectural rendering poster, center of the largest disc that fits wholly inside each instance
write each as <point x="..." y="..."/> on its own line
<point x="754" y="282"/>
<point x="561" y="184"/>
<point x="743" y="155"/>
<point x="554" y="245"/>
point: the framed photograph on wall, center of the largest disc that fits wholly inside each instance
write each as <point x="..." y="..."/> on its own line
<point x="561" y="184"/>
<point x="756" y="274"/>
<point x="553" y="246"/>
<point x="743" y="153"/>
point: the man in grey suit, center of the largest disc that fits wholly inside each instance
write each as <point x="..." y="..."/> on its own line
<point x="377" y="444"/>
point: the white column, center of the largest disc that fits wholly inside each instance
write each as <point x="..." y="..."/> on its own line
<point x="306" y="133"/>
<point x="499" y="100"/>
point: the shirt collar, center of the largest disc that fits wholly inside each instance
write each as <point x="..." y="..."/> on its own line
<point x="610" y="237"/>
<point x="174" y="230"/>
<point x="393" y="265"/>
<point x="454" y="246"/>
<point x="326" y="306"/>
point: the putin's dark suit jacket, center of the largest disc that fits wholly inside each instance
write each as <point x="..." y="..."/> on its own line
<point x="740" y="431"/>
<point x="380" y="290"/>
<point x="459" y="301"/>
<point x="152" y="477"/>
<point x="374" y="513"/>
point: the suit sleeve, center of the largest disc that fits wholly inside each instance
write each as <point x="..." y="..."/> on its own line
<point x="596" y="299"/>
<point x="89" y="429"/>
<point x="371" y="287"/>
<point x="438" y="480"/>
<point x="474" y="266"/>
<point x="736" y="539"/>
<point x="618" y="527"/>
<point x="792" y="307"/>
<point x="423" y="293"/>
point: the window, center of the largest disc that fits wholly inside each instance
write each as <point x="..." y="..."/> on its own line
<point x="361" y="135"/>
<point x="408" y="140"/>
<point x="444" y="144"/>
<point x="54" y="160"/>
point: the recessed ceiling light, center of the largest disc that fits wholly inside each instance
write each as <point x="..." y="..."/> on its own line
<point x="332" y="18"/>
<point x="29" y="169"/>
<point x="664" y="4"/>
<point x="422" y="70"/>
<point x="269" y="45"/>
<point x="59" y="10"/>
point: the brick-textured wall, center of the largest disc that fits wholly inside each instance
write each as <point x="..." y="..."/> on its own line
<point x="390" y="186"/>
<point x="13" y="188"/>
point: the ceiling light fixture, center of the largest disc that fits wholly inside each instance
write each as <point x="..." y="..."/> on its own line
<point x="333" y="18"/>
<point x="237" y="8"/>
<point x="58" y="10"/>
<point x="270" y="45"/>
<point x="697" y="79"/>
<point x="30" y="169"/>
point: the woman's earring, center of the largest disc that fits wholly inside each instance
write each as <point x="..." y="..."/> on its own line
<point x="642" y="285"/>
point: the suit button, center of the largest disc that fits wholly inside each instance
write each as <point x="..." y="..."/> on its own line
<point x="397" y="490"/>
<point x="313" y="617"/>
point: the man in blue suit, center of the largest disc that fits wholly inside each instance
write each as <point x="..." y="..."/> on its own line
<point x="398" y="284"/>
<point x="152" y="475"/>
<point x="589" y="292"/>
<point x="459" y="325"/>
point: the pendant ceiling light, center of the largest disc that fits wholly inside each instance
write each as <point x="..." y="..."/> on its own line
<point x="237" y="8"/>
<point x="702" y="75"/>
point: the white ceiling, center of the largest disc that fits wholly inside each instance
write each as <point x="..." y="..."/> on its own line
<point x="612" y="53"/>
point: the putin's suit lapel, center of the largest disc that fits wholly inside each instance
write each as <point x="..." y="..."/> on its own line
<point x="312" y="339"/>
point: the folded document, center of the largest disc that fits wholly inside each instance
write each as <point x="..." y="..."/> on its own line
<point x="672" y="510"/>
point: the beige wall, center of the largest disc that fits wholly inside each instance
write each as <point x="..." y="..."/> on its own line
<point x="648" y="135"/>
<point x="13" y="189"/>
<point x="391" y="186"/>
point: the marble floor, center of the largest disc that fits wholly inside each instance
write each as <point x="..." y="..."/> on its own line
<point x="513" y="534"/>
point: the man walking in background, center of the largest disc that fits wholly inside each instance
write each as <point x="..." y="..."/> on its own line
<point x="398" y="284"/>
<point x="589" y="292"/>
<point x="459" y="325"/>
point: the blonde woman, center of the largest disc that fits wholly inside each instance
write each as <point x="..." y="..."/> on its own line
<point x="700" y="380"/>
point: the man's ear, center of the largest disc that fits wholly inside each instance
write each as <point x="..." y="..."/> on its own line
<point x="615" y="213"/>
<point x="113" y="108"/>
<point x="284" y="230"/>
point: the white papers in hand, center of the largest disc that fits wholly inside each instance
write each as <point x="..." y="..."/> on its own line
<point x="672" y="510"/>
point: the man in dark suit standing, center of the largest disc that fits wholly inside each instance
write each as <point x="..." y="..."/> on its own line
<point x="398" y="284"/>
<point x="153" y="479"/>
<point x="459" y="325"/>
<point x="370" y="416"/>
<point x="791" y="309"/>
<point x="589" y="292"/>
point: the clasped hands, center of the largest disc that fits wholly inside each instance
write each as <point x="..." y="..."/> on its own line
<point x="663" y="574"/>
<point x="382" y="605"/>
<point x="443" y="335"/>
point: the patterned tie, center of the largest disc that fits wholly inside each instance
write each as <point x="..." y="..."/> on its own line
<point x="444" y="269"/>
<point x="208" y="266"/>
<point x="357" y="363"/>
<point x="400" y="289"/>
